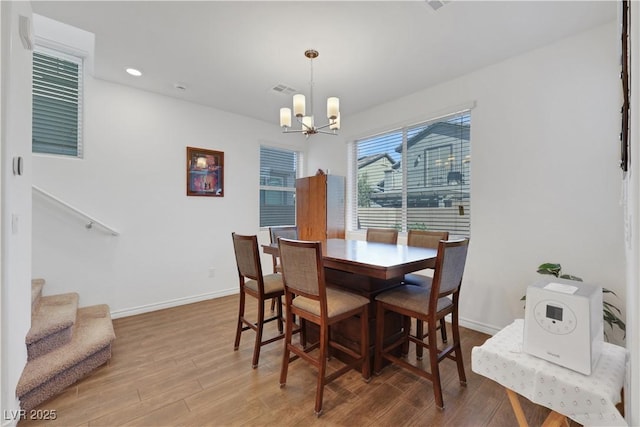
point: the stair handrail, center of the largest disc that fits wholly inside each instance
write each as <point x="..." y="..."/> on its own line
<point x="92" y="221"/>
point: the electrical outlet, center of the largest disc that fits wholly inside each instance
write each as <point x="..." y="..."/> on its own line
<point x="212" y="272"/>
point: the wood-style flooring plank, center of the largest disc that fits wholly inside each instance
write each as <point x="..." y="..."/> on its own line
<point x="177" y="367"/>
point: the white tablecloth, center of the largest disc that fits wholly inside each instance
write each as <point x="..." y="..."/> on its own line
<point x="587" y="399"/>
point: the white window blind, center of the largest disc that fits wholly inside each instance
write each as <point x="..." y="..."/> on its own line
<point x="417" y="177"/>
<point x="278" y="173"/>
<point x="57" y="103"/>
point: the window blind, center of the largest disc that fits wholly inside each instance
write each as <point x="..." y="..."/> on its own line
<point x="417" y="177"/>
<point x="278" y="173"/>
<point x="57" y="103"/>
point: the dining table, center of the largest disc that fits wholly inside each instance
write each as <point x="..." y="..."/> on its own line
<point x="367" y="268"/>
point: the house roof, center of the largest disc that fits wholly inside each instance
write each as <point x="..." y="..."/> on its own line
<point x="441" y="128"/>
<point x="367" y="160"/>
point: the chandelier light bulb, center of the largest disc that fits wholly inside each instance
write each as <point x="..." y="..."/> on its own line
<point x="298" y="104"/>
<point x="285" y="117"/>
<point x="307" y="123"/>
<point x="333" y="107"/>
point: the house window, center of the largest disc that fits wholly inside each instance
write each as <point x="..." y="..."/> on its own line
<point x="278" y="173"/>
<point x="57" y="103"/>
<point x="416" y="177"/>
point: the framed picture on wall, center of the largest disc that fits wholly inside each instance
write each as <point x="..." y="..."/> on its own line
<point x="205" y="172"/>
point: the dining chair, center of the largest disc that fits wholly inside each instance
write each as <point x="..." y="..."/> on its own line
<point x="427" y="305"/>
<point x="425" y="239"/>
<point x="382" y="235"/>
<point x="262" y="287"/>
<point x="303" y="275"/>
<point x="288" y="232"/>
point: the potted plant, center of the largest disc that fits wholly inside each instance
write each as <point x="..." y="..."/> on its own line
<point x="610" y="313"/>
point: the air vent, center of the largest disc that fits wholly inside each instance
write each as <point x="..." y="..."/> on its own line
<point x="284" y="89"/>
<point x="436" y="4"/>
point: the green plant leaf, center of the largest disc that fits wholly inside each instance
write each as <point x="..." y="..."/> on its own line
<point x="608" y="291"/>
<point x="609" y="306"/>
<point x="550" y="268"/>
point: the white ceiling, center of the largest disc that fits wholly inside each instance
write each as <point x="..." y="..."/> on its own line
<point x="231" y="54"/>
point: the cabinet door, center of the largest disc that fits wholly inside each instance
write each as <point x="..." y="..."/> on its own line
<point x="311" y="207"/>
<point x="335" y="207"/>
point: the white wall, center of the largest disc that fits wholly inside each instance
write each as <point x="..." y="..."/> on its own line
<point x="545" y="177"/>
<point x="133" y="178"/>
<point x="15" y="195"/>
<point x="546" y="185"/>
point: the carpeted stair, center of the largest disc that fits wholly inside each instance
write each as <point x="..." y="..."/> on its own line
<point x="64" y="344"/>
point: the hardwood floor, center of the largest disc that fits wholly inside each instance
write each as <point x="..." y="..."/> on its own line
<point x="177" y="367"/>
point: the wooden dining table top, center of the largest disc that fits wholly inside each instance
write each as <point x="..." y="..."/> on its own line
<point x="379" y="260"/>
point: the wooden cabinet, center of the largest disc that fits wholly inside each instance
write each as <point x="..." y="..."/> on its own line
<point x="320" y="207"/>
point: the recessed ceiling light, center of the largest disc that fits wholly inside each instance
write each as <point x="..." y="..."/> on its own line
<point x="134" y="72"/>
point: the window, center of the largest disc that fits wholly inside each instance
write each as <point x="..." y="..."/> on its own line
<point x="57" y="103"/>
<point x="278" y="173"/>
<point x="416" y="177"/>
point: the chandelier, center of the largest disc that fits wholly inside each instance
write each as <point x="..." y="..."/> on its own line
<point x="307" y="125"/>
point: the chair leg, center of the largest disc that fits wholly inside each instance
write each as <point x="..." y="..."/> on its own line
<point x="287" y="343"/>
<point x="279" y="312"/>
<point x="458" y="348"/>
<point x="364" y="344"/>
<point x="273" y="304"/>
<point x="435" y="369"/>
<point x="322" y="368"/>
<point x="420" y="336"/>
<point x="303" y="332"/>
<point x="377" y="359"/>
<point x="443" y="330"/>
<point x="240" y="317"/>
<point x="260" y="327"/>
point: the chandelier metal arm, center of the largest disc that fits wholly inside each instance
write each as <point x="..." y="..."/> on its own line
<point x="324" y="126"/>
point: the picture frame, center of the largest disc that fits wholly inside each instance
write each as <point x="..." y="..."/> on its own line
<point x="625" y="61"/>
<point x="205" y="172"/>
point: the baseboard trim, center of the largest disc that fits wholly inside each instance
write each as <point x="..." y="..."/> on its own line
<point x="464" y="322"/>
<point x="171" y="303"/>
<point x="479" y="327"/>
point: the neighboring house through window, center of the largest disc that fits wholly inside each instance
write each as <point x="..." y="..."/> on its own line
<point x="278" y="173"/>
<point x="57" y="102"/>
<point x="416" y="177"/>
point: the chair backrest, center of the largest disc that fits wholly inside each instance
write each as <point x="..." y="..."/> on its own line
<point x="382" y="235"/>
<point x="302" y="269"/>
<point x="247" y="257"/>
<point x="450" y="262"/>
<point x="287" y="232"/>
<point x="426" y="239"/>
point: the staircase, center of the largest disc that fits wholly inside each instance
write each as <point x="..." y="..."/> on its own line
<point x="64" y="344"/>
